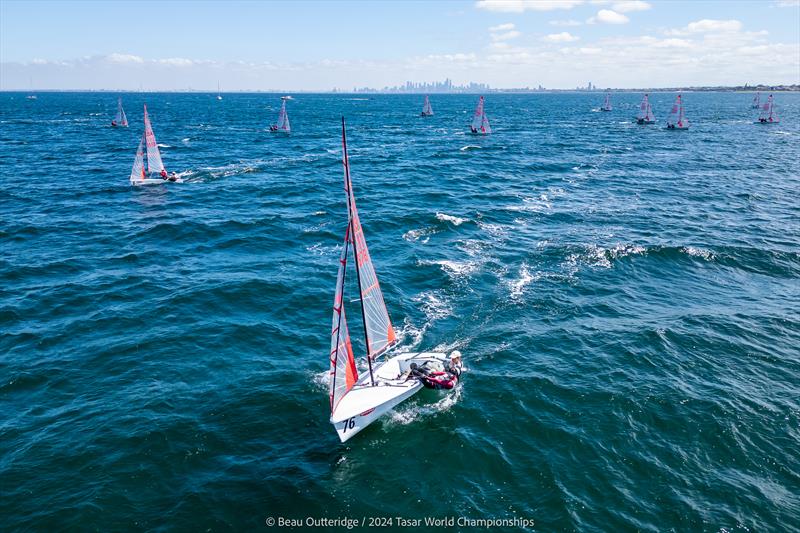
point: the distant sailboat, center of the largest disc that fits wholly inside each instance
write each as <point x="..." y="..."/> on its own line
<point x="757" y="100"/>
<point x="30" y="84"/>
<point x="646" y="115"/>
<point x="768" y="114"/>
<point x="480" y="122"/>
<point x="427" y="110"/>
<point x="607" y="103"/>
<point x="283" y="120"/>
<point x="153" y="171"/>
<point x="219" y="93"/>
<point x="120" y="119"/>
<point x="358" y="401"/>
<point x="677" y="119"/>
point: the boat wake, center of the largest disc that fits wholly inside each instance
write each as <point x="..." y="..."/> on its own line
<point x="408" y="413"/>
<point x="469" y="147"/>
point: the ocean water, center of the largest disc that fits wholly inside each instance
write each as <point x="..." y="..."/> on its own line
<point x="626" y="299"/>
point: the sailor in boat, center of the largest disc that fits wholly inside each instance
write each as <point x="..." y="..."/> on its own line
<point x="438" y="378"/>
<point x="114" y="123"/>
<point x="274" y="127"/>
<point x="473" y="129"/>
<point x="168" y="177"/>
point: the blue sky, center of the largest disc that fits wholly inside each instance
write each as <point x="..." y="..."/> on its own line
<point x="319" y="45"/>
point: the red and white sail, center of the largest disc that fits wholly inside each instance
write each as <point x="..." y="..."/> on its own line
<point x="154" y="163"/>
<point x="283" y="119"/>
<point x="427" y="110"/>
<point x="343" y="373"/>
<point x="646" y="111"/>
<point x="676" y="117"/>
<point x="120" y="119"/>
<point x="379" y="332"/>
<point x="768" y="113"/>
<point x="480" y="122"/>
<point x="137" y="172"/>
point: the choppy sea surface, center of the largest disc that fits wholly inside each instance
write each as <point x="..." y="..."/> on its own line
<point x="627" y="300"/>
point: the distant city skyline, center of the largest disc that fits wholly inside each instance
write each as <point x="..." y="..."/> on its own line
<point x="559" y="44"/>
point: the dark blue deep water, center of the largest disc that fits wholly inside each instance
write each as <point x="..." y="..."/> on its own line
<point x="627" y="300"/>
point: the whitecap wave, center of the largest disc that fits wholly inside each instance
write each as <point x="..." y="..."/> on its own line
<point x="417" y="234"/>
<point x="456" y="221"/>
<point x="454" y="269"/>
<point x="517" y="286"/>
<point x="469" y="147"/>
<point x="698" y="252"/>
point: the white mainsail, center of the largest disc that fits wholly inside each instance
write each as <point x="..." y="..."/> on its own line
<point x="757" y="100"/>
<point x="427" y="110"/>
<point x="283" y="119"/>
<point x="607" y="103"/>
<point x="154" y="163"/>
<point x="120" y="119"/>
<point x="378" y="329"/>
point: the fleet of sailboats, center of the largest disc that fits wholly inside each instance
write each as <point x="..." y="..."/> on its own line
<point x="358" y="401"/>
<point x="150" y="169"/>
<point x="676" y="120"/>
<point x="646" y="115"/>
<point x="480" y="122"/>
<point x="427" y="110"/>
<point x="607" y="103"/>
<point x="283" y="120"/>
<point x="768" y="114"/>
<point x="120" y="120"/>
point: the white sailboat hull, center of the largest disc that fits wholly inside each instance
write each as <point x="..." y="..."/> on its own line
<point x="155" y="181"/>
<point x="365" y="403"/>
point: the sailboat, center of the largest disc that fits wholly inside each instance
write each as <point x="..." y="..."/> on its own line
<point x="646" y="115"/>
<point x="677" y="119"/>
<point x="358" y="401"/>
<point x="607" y="103"/>
<point x="768" y="114"/>
<point x="120" y="119"/>
<point x="427" y="110"/>
<point x="480" y="122"/>
<point x="31" y="96"/>
<point x="219" y="93"/>
<point x="757" y="100"/>
<point x="142" y="174"/>
<point x="283" y="120"/>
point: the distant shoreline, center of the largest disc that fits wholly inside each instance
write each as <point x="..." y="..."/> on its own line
<point x="721" y="89"/>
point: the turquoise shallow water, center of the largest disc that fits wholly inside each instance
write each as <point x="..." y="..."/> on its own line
<point x="626" y="299"/>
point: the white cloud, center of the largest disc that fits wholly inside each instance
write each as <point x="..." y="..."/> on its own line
<point x="563" y="37"/>
<point x="513" y="34"/>
<point x="176" y="62"/>
<point x="502" y="27"/>
<point x="606" y="16"/>
<point x="124" y="58"/>
<point x="629" y="6"/>
<point x="672" y="43"/>
<point x="788" y="3"/>
<point x="569" y="22"/>
<point x="520" y="6"/>
<point x="708" y="25"/>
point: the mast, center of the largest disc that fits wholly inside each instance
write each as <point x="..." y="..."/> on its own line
<point x="349" y="189"/>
